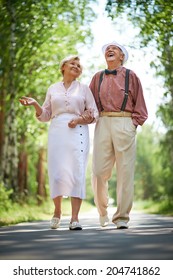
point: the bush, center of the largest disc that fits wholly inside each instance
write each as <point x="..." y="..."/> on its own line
<point x="5" y="201"/>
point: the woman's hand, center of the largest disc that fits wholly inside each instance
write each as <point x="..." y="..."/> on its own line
<point x="27" y="101"/>
<point x="73" y="123"/>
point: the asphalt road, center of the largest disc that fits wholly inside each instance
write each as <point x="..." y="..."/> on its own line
<point x="149" y="237"/>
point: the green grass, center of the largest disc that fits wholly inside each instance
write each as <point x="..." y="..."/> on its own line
<point x="161" y="207"/>
<point x="17" y="213"/>
<point x="31" y="212"/>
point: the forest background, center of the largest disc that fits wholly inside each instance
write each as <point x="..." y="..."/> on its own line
<point x="34" y="37"/>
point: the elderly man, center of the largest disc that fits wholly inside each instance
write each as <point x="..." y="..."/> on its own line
<point x="119" y="97"/>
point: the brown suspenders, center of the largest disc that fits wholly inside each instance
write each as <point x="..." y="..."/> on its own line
<point x="123" y="106"/>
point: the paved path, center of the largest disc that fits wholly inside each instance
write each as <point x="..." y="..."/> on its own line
<point x="150" y="237"/>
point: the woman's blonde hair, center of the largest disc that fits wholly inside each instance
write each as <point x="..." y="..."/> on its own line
<point x="67" y="59"/>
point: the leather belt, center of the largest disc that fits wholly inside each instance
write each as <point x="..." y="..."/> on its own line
<point x="115" y="114"/>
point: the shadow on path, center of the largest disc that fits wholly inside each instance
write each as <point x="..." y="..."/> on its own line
<point x="150" y="237"/>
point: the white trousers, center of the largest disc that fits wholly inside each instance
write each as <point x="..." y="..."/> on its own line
<point x="114" y="143"/>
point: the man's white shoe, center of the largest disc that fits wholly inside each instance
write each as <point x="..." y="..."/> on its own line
<point x="122" y="225"/>
<point x="104" y="221"/>
<point x="54" y="223"/>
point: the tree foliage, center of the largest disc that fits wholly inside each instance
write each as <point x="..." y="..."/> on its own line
<point x="148" y="183"/>
<point x="155" y="20"/>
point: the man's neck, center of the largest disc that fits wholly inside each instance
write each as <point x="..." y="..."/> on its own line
<point x="113" y="65"/>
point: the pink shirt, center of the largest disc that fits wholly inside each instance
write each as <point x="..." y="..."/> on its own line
<point x="112" y="92"/>
<point x="74" y="100"/>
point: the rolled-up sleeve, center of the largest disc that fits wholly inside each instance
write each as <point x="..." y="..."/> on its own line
<point x="140" y="113"/>
<point x="90" y="103"/>
<point x="46" y="108"/>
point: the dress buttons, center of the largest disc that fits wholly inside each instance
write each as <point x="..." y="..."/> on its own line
<point x="81" y="141"/>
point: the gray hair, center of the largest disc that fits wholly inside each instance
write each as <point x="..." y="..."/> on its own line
<point x="67" y="59"/>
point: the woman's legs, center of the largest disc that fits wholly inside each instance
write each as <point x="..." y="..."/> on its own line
<point x="57" y="202"/>
<point x="76" y="204"/>
<point x="55" y="221"/>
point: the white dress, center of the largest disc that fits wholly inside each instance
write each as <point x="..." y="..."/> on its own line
<point x="68" y="148"/>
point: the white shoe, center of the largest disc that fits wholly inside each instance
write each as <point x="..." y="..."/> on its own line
<point x="104" y="220"/>
<point x="75" y="226"/>
<point x="54" y="223"/>
<point x="122" y="225"/>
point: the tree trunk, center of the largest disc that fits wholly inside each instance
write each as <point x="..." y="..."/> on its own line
<point x="23" y="170"/>
<point x="41" y="191"/>
<point x="2" y="120"/>
<point x="10" y="154"/>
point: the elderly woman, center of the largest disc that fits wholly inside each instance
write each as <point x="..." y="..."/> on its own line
<point x="70" y="106"/>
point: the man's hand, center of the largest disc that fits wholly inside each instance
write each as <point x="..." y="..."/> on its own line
<point x="88" y="116"/>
